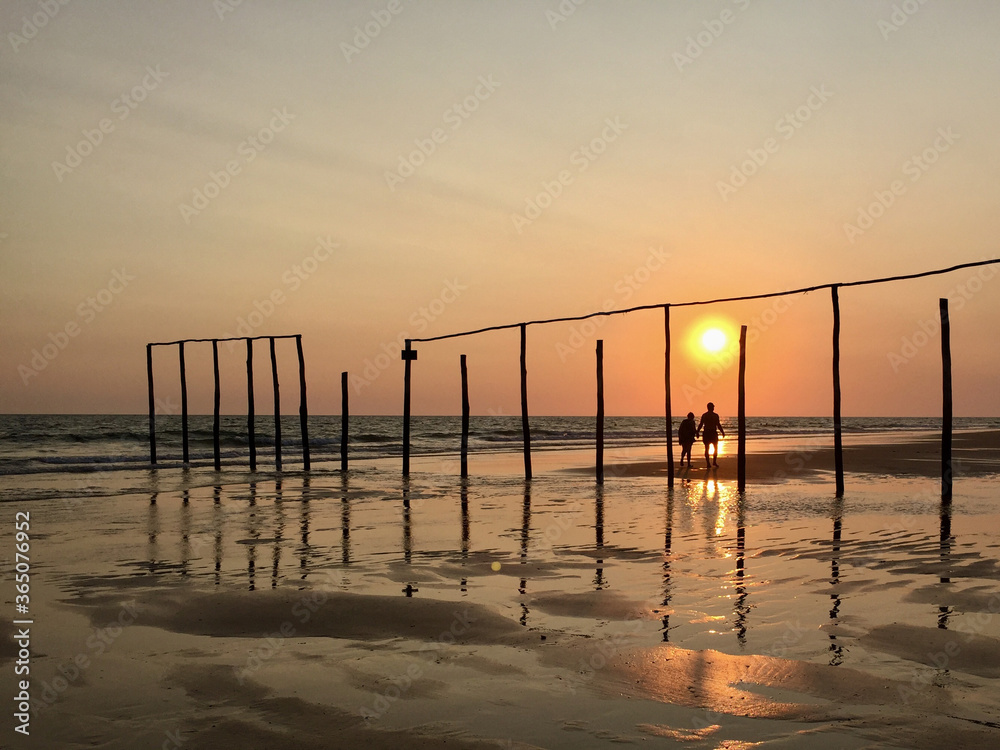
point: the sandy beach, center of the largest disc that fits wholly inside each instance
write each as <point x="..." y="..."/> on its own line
<point x="322" y="612"/>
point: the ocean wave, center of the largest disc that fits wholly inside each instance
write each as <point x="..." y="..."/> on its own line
<point x="367" y="437"/>
<point x="35" y="444"/>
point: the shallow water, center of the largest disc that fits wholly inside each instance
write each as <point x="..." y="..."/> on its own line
<point x="782" y="572"/>
<point x="725" y="564"/>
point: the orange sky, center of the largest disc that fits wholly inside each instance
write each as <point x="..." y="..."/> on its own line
<point x="364" y="172"/>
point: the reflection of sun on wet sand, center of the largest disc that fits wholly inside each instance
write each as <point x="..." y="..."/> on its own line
<point x="319" y="612"/>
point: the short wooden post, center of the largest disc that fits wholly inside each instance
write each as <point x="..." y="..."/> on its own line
<point x="152" y="405"/>
<point x="838" y="444"/>
<point x="667" y="404"/>
<point x="465" y="418"/>
<point x="303" y="404"/>
<point x="741" y="428"/>
<point x="277" y="407"/>
<point x="946" y="404"/>
<point x="525" y="427"/>
<point x="408" y="355"/>
<point x="184" y="405"/>
<point x="344" y="419"/>
<point x="251" y="431"/>
<point x="600" y="411"/>
<point x="216" y="410"/>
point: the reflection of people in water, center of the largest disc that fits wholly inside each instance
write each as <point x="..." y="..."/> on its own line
<point x="710" y="428"/>
<point x="685" y="436"/>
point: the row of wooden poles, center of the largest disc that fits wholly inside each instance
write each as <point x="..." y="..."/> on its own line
<point x="409" y="354"/>
<point x="251" y="416"/>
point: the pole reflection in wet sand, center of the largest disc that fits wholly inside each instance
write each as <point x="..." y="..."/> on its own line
<point x="304" y="533"/>
<point x="185" y="528"/>
<point x="217" y="517"/>
<point x="836" y="648"/>
<point x="667" y="543"/>
<point x="742" y="609"/>
<point x="345" y="523"/>
<point x="525" y="539"/>
<point x="279" y="530"/>
<point x="599" y="582"/>
<point x="152" y="532"/>
<point x="464" y="494"/>
<point x="253" y="532"/>
<point x="945" y="546"/>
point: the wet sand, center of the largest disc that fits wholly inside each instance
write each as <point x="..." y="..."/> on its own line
<point x="321" y="612"/>
<point x="973" y="454"/>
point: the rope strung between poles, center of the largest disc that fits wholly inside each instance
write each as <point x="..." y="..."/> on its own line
<point x="661" y="305"/>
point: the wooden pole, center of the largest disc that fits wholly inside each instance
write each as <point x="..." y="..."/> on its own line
<point x="465" y="417"/>
<point x="152" y="405"/>
<point x="216" y="411"/>
<point x="184" y="405"/>
<point x="303" y="404"/>
<point x="408" y="355"/>
<point x="525" y="427"/>
<point x="344" y="419"/>
<point x="668" y="406"/>
<point x="277" y="407"/>
<point x="838" y="444"/>
<point x="251" y="432"/>
<point x="600" y="412"/>
<point x="946" y="406"/>
<point x="741" y="441"/>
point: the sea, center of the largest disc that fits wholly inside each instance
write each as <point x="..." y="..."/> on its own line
<point x="45" y="456"/>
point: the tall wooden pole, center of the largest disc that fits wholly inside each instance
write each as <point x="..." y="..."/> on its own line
<point x="741" y="441"/>
<point x="216" y="411"/>
<point x="525" y="427"/>
<point x="277" y="407"/>
<point x="344" y="420"/>
<point x="303" y="404"/>
<point x="600" y="412"/>
<point x="184" y="405"/>
<point x="408" y="355"/>
<point x="666" y="389"/>
<point x="838" y="444"/>
<point x="152" y="405"/>
<point x="946" y="403"/>
<point x="251" y="431"/>
<point x="465" y="417"/>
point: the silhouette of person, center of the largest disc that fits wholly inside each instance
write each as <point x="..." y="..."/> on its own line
<point x="710" y="428"/>
<point x="685" y="436"/>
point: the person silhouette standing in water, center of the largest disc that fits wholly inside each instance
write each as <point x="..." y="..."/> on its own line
<point x="685" y="436"/>
<point x="710" y="428"/>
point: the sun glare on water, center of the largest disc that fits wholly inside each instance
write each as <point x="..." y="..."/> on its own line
<point x="713" y="340"/>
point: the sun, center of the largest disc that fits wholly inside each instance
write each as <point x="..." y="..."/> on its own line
<point x="709" y="338"/>
<point x="713" y="340"/>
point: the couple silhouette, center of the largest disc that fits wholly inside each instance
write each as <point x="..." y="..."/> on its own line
<point x="710" y="428"/>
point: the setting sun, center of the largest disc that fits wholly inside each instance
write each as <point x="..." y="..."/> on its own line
<point x="713" y="340"/>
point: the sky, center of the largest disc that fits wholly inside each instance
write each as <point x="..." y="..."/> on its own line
<point x="365" y="172"/>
